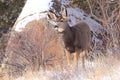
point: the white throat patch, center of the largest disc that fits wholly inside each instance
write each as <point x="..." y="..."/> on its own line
<point x="60" y="29"/>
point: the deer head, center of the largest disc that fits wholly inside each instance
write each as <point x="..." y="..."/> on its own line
<point x="61" y="21"/>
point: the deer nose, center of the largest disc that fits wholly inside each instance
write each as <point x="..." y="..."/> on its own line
<point x="56" y="27"/>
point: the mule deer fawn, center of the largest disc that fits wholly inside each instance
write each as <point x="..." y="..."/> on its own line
<point x="76" y="38"/>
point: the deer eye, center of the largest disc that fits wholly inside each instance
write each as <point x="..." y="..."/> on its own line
<point x="61" y="20"/>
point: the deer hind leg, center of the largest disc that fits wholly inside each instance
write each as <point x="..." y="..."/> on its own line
<point x="82" y="57"/>
<point x="76" y="60"/>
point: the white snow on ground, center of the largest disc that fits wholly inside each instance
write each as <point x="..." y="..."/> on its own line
<point x="34" y="6"/>
<point x="32" y="9"/>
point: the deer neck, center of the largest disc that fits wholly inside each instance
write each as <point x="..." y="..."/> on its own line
<point x="68" y="31"/>
<point x="67" y="34"/>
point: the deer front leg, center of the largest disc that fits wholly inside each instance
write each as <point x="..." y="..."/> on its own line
<point x="68" y="54"/>
<point x="76" y="60"/>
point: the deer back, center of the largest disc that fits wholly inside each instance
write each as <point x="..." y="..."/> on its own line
<point x="82" y="35"/>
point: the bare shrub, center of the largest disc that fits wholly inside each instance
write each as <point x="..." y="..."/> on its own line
<point x="4" y="37"/>
<point x="34" y="48"/>
<point x="107" y="13"/>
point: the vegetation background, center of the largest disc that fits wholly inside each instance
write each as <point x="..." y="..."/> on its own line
<point x="9" y="11"/>
<point x="105" y="12"/>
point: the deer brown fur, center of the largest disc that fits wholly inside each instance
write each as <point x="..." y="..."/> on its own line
<point x="75" y="36"/>
<point x="76" y="40"/>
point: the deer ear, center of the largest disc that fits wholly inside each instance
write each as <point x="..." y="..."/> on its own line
<point x="64" y="14"/>
<point x="52" y="16"/>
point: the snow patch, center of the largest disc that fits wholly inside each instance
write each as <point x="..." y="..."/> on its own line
<point x="33" y="10"/>
<point x="34" y="6"/>
<point x="75" y="15"/>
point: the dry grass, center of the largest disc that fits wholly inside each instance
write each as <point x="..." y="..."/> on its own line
<point x="104" y="68"/>
<point x="101" y="69"/>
